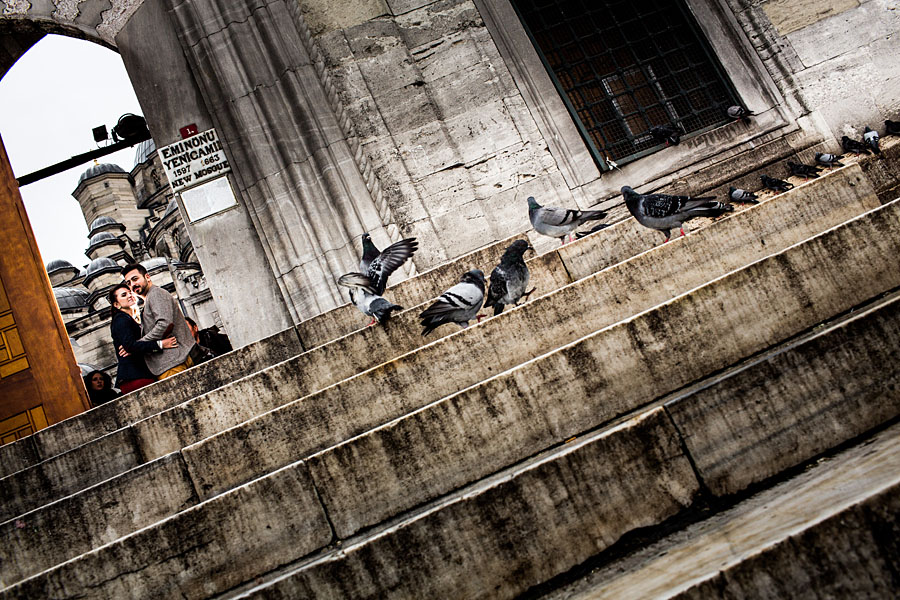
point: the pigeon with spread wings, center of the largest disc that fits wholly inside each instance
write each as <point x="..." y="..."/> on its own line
<point x="378" y="265"/>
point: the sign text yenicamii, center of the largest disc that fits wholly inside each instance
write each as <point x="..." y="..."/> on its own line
<point x="194" y="160"/>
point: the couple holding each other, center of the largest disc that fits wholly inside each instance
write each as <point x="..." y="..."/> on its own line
<point x="153" y="345"/>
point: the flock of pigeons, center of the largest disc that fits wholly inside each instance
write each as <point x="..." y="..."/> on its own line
<point x="509" y="279"/>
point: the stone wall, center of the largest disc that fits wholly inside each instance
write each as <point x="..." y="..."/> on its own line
<point x="836" y="59"/>
<point x="441" y="122"/>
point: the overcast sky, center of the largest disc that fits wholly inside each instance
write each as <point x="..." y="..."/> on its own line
<point x="51" y="99"/>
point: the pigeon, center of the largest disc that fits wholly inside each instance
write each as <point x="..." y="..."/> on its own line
<point x="509" y="279"/>
<point x="581" y="234"/>
<point x="891" y="127"/>
<point x="459" y="304"/>
<point x="828" y="160"/>
<point x="870" y="139"/>
<point x="742" y="196"/>
<point x="378" y="266"/>
<point x="362" y="294"/>
<point x="664" y="212"/>
<point x="853" y="146"/>
<point x="666" y="133"/>
<point x="776" y="185"/>
<point x="802" y="170"/>
<point x="739" y="112"/>
<point x="559" y="222"/>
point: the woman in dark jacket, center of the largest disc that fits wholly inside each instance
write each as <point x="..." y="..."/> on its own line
<point x="126" y="333"/>
<point x="99" y="388"/>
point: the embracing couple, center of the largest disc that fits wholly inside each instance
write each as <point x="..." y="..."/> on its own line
<point x="153" y="344"/>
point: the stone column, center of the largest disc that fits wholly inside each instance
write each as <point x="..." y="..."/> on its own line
<point x="292" y="160"/>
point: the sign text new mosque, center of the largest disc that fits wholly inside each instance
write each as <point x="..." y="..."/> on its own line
<point x="194" y="160"/>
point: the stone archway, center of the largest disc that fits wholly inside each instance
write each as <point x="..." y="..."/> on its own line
<point x="302" y="199"/>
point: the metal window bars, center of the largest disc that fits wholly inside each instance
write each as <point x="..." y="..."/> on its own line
<point x="625" y="66"/>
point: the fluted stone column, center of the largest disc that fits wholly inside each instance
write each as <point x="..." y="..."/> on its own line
<point x="292" y="160"/>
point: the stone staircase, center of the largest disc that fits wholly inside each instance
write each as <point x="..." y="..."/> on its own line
<point x="647" y="399"/>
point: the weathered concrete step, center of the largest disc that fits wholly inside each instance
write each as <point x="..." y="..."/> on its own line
<point x="389" y="559"/>
<point x="309" y="334"/>
<point x="744" y="236"/>
<point x="200" y="551"/>
<point x="410" y="382"/>
<point x="275" y="520"/>
<point x="428" y="453"/>
<point x="75" y="525"/>
<point x="821" y="534"/>
<point x="112" y="416"/>
<point x="856" y="349"/>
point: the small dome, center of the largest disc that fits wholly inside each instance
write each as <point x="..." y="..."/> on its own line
<point x="145" y="151"/>
<point x="103" y="222"/>
<point x="101" y="169"/>
<point x="154" y="263"/>
<point x="100" y="266"/>
<point x="103" y="236"/>
<point x="60" y="265"/>
<point x="70" y="298"/>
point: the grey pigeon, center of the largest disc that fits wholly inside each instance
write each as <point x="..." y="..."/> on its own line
<point x="666" y="133"/>
<point x="802" y="170"/>
<point x="739" y="112"/>
<point x="870" y="139"/>
<point x="853" y="146"/>
<point x="509" y="279"/>
<point x="775" y="185"/>
<point x="828" y="160"/>
<point x="742" y="196"/>
<point x="363" y="295"/>
<point x="559" y="222"/>
<point x="664" y="212"/>
<point x="581" y="234"/>
<point x="891" y="127"/>
<point x="460" y="304"/>
<point x="378" y="265"/>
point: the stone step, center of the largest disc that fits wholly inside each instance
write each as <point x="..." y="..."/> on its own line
<point x="578" y="260"/>
<point x="208" y="551"/>
<point x="820" y="534"/>
<point x="491" y="538"/>
<point x="409" y="382"/>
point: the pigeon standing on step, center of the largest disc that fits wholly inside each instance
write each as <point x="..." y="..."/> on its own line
<point x="509" y="279"/>
<point x="666" y="133"/>
<point x="802" y="170"/>
<point x="891" y="127"/>
<point x="775" y="185"/>
<point x="559" y="222"/>
<point x="870" y="139"/>
<point x="853" y="146"/>
<point x="378" y="265"/>
<point x="739" y="113"/>
<point x="742" y="196"/>
<point x="828" y="160"/>
<point x="664" y="212"/>
<point x="460" y="304"/>
<point x="362" y="294"/>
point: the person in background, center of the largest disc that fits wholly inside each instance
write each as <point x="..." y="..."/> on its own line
<point x="99" y="388"/>
<point x="200" y="353"/>
<point x="161" y="317"/>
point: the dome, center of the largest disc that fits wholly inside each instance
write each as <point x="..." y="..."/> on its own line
<point x="101" y="169"/>
<point x="104" y="222"/>
<point x="70" y="298"/>
<point x="103" y="236"/>
<point x="145" y="151"/>
<point x="99" y="266"/>
<point x="154" y="263"/>
<point x="60" y="265"/>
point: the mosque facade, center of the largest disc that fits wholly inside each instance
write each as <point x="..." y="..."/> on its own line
<point x="132" y="216"/>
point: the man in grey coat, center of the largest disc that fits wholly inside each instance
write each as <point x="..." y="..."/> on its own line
<point x="161" y="318"/>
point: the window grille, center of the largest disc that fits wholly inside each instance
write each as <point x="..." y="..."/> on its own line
<point x="623" y="67"/>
